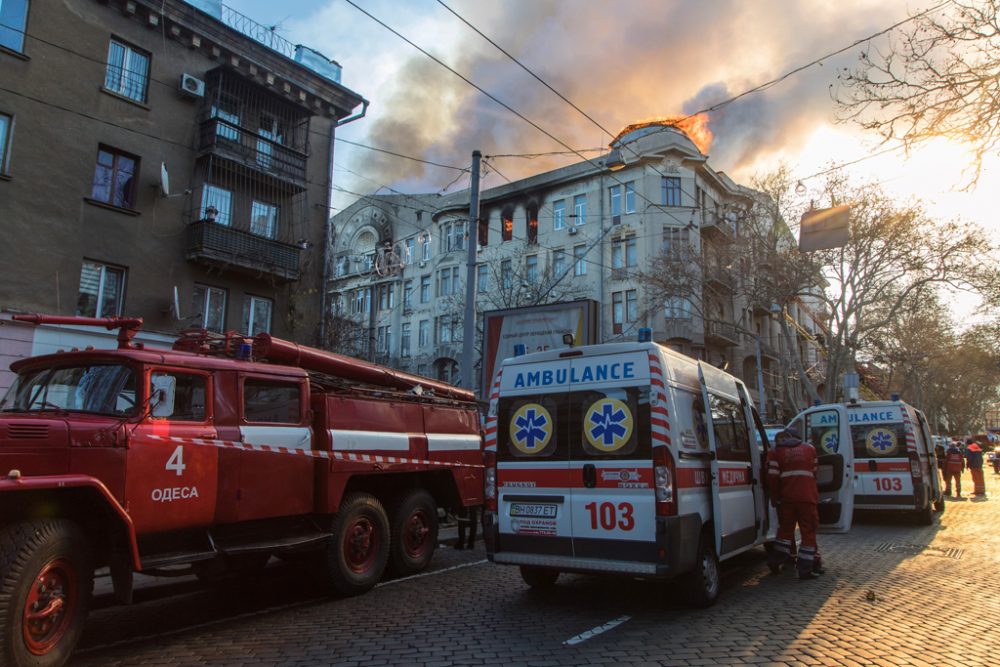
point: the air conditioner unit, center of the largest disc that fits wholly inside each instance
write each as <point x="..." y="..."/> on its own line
<point x="191" y="86"/>
<point x="572" y="230"/>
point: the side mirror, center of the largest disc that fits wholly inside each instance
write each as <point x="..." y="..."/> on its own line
<point x="161" y="397"/>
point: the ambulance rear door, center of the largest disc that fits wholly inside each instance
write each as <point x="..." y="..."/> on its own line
<point x="533" y="476"/>
<point x="826" y="427"/>
<point x="611" y="458"/>
<point x="734" y="509"/>
<point x="879" y="437"/>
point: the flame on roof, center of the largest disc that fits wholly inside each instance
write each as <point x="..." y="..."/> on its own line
<point x="694" y="128"/>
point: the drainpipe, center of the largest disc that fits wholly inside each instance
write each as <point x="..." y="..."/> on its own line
<point x="600" y="282"/>
<point x="328" y="222"/>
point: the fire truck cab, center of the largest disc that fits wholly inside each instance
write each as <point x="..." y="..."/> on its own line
<point x="626" y="458"/>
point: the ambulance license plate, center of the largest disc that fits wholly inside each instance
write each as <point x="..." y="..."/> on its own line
<point x="525" y="509"/>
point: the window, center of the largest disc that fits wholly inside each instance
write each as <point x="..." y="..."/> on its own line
<point x="425" y="289"/>
<point x="630" y="197"/>
<point x="732" y="439"/>
<point x="6" y="132"/>
<point x="404" y="340"/>
<point x="128" y="71"/>
<point x="631" y="305"/>
<point x="270" y="402"/>
<point x="410" y="253"/>
<point x="263" y="219"/>
<point x="580" y="209"/>
<point x="507" y="225"/>
<point x="452" y="236"/>
<point x="209" y="304"/>
<point x="558" y="263"/>
<point x="13" y="22"/>
<point x="383" y="340"/>
<point x="670" y="191"/>
<point x="102" y="290"/>
<point x="616" y="204"/>
<point x="482" y="277"/>
<point x="448" y="282"/>
<point x="448" y="329"/>
<point x="271" y="132"/>
<point x="407" y="294"/>
<point x="107" y="389"/>
<point x="216" y="205"/>
<point x="423" y="333"/>
<point x="422" y="370"/>
<point x="676" y="243"/>
<point x="506" y="274"/>
<point x="257" y="315"/>
<point x="531" y="223"/>
<point x="631" y="258"/>
<point x="872" y="441"/>
<point x="677" y="308"/>
<point x="559" y="214"/>
<point x="115" y="177"/>
<point x="617" y="311"/>
<point x="227" y="109"/>
<point x="360" y="304"/>
<point x="386" y="296"/>
<point x="425" y="247"/>
<point x="623" y="252"/>
<point x="182" y="396"/>
<point x="343" y="266"/>
<point x="446" y="370"/>
<point x="580" y="264"/>
<point x="531" y="269"/>
<point x="483" y="231"/>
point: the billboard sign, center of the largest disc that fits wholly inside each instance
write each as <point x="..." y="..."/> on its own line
<point x="537" y="328"/>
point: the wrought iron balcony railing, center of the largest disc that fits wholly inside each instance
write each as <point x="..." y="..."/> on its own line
<point x="217" y="244"/>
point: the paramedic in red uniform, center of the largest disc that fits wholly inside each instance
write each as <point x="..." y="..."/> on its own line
<point x="791" y="483"/>
<point x="954" y="464"/>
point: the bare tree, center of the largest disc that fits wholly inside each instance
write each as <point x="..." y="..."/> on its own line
<point x="938" y="77"/>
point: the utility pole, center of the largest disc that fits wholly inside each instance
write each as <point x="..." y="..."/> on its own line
<point x="469" y="320"/>
<point x="762" y="399"/>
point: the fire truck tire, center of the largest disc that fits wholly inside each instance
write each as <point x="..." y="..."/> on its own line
<point x="358" y="551"/>
<point x="414" y="533"/>
<point x="701" y="586"/>
<point x="539" y="577"/>
<point x="45" y="574"/>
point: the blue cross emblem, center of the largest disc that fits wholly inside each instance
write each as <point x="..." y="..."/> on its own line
<point x="882" y="441"/>
<point x="531" y="428"/>
<point x="607" y="426"/>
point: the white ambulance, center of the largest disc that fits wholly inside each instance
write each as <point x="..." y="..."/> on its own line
<point x="894" y="460"/>
<point x="629" y="458"/>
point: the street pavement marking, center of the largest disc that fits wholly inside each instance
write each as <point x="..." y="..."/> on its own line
<point x="427" y="574"/>
<point x="593" y="632"/>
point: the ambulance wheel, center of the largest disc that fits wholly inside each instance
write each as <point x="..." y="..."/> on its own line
<point x="539" y="577"/>
<point x="925" y="517"/>
<point x="358" y="550"/>
<point x="46" y="579"/>
<point x="701" y="587"/>
<point x="939" y="505"/>
<point x="414" y="533"/>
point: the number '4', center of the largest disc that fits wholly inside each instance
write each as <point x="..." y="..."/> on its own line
<point x="176" y="461"/>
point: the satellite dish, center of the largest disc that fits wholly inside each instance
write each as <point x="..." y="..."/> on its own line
<point x="177" y="302"/>
<point x="164" y="183"/>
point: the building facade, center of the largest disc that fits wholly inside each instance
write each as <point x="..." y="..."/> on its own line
<point x="585" y="231"/>
<point x="163" y="159"/>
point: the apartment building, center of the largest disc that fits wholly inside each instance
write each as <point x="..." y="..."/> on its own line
<point x="591" y="230"/>
<point x="163" y="159"/>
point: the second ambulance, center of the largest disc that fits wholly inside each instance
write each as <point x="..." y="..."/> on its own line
<point x="629" y="458"/>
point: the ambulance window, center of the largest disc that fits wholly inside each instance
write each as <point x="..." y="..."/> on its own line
<point x="823" y="431"/>
<point x="271" y="402"/>
<point x="698" y="419"/>
<point x="879" y="441"/>
<point x="527" y="427"/>
<point x="613" y="423"/>
<point x="732" y="439"/>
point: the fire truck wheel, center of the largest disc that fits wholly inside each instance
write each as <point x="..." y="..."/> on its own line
<point x="45" y="584"/>
<point x="702" y="586"/>
<point x="539" y="577"/>
<point x="414" y="533"/>
<point x="359" y="548"/>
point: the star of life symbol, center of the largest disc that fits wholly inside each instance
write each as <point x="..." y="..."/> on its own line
<point x="881" y="441"/>
<point x="531" y="428"/>
<point x="609" y="425"/>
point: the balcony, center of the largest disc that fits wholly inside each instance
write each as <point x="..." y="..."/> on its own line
<point x="217" y="245"/>
<point x="767" y="350"/>
<point x="679" y="329"/>
<point x="717" y="227"/>
<point x="719" y="279"/>
<point x="721" y="333"/>
<point x="266" y="156"/>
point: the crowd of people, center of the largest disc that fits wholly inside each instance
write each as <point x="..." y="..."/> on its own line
<point x="959" y="456"/>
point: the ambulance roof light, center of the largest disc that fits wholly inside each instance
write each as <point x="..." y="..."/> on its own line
<point x="520" y="350"/>
<point x="645" y="335"/>
<point x="893" y="397"/>
<point x="816" y="401"/>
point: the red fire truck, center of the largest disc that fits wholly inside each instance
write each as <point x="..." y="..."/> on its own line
<point x="212" y="457"/>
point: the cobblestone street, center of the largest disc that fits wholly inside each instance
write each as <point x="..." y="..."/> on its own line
<point x="895" y="593"/>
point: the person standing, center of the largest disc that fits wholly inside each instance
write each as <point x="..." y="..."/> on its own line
<point x="954" y="464"/>
<point x="974" y="459"/>
<point x="791" y="483"/>
<point x="468" y="519"/>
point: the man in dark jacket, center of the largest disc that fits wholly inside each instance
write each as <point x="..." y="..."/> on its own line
<point x="974" y="460"/>
<point x="954" y="464"/>
<point x="791" y="483"/>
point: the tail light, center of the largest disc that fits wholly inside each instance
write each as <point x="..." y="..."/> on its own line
<point x="663" y="481"/>
<point x="916" y="470"/>
<point x="490" y="480"/>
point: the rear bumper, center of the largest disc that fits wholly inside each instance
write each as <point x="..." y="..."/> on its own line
<point x="673" y="552"/>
